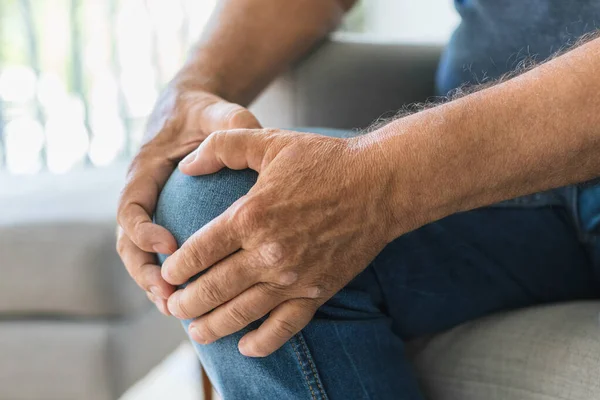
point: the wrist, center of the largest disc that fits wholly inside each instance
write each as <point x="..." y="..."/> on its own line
<point x="202" y="75"/>
<point x="421" y="186"/>
<point x="190" y="79"/>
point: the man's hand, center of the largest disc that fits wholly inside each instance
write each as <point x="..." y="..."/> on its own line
<point x="318" y="214"/>
<point x="182" y="119"/>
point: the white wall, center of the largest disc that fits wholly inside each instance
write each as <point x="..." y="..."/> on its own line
<point x="430" y="21"/>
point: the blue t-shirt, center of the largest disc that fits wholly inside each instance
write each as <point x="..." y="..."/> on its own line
<point x="495" y="35"/>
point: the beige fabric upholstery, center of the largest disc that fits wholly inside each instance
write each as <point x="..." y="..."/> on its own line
<point x="57" y="241"/>
<point x="543" y="353"/>
<point x="81" y="359"/>
<point x="348" y="83"/>
<point x="73" y="325"/>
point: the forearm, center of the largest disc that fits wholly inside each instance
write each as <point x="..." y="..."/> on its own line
<point x="248" y="42"/>
<point x="537" y="131"/>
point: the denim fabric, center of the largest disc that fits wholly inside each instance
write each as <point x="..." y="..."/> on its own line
<point x="468" y="265"/>
<point x="495" y="36"/>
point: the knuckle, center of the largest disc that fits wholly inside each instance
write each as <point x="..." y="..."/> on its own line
<point x="272" y="254"/>
<point x="315" y="292"/>
<point x="248" y="214"/>
<point x="287" y="278"/>
<point x="214" y="137"/>
<point x="138" y="226"/>
<point x="192" y="259"/>
<point x="239" y="316"/>
<point x="218" y="137"/>
<point x="284" y="329"/>
<point x="139" y="234"/>
<point x="209" y="293"/>
<point x="239" y="117"/>
<point x="207" y="330"/>
<point x="270" y="133"/>
<point x="271" y="289"/>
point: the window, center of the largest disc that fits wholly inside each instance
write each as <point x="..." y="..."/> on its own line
<point x="78" y="78"/>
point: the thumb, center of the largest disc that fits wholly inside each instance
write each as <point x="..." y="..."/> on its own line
<point x="235" y="149"/>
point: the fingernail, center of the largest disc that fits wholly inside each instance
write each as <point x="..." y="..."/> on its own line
<point x="161" y="248"/>
<point x="173" y="300"/>
<point x="245" y="349"/>
<point x="189" y="158"/>
<point x="196" y="336"/>
<point x="165" y="272"/>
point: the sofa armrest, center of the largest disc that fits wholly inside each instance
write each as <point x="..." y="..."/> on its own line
<point x="349" y="82"/>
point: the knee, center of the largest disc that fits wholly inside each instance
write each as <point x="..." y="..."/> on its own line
<point x="188" y="203"/>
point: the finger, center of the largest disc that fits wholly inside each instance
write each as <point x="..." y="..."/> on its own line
<point x="142" y="267"/>
<point x="209" y="113"/>
<point x="219" y="284"/>
<point x="283" y="323"/>
<point x="221" y="115"/>
<point x="137" y="204"/>
<point x="235" y="149"/>
<point x="235" y="315"/>
<point x="212" y="243"/>
<point x="160" y="304"/>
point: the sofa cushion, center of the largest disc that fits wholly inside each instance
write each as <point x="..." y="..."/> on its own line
<point x="57" y="241"/>
<point x="543" y="353"/>
<point x="54" y="359"/>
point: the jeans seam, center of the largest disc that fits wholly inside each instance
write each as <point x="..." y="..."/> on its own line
<point x="312" y="366"/>
<point x="303" y="359"/>
<point x="312" y="392"/>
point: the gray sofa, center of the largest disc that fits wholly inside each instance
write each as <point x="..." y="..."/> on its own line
<point x="543" y="353"/>
<point x="73" y="325"/>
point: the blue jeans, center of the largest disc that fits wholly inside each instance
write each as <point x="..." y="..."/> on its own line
<point x="536" y="249"/>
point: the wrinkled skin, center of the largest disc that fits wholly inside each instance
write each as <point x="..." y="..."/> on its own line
<point x="317" y="216"/>
<point x="182" y="119"/>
